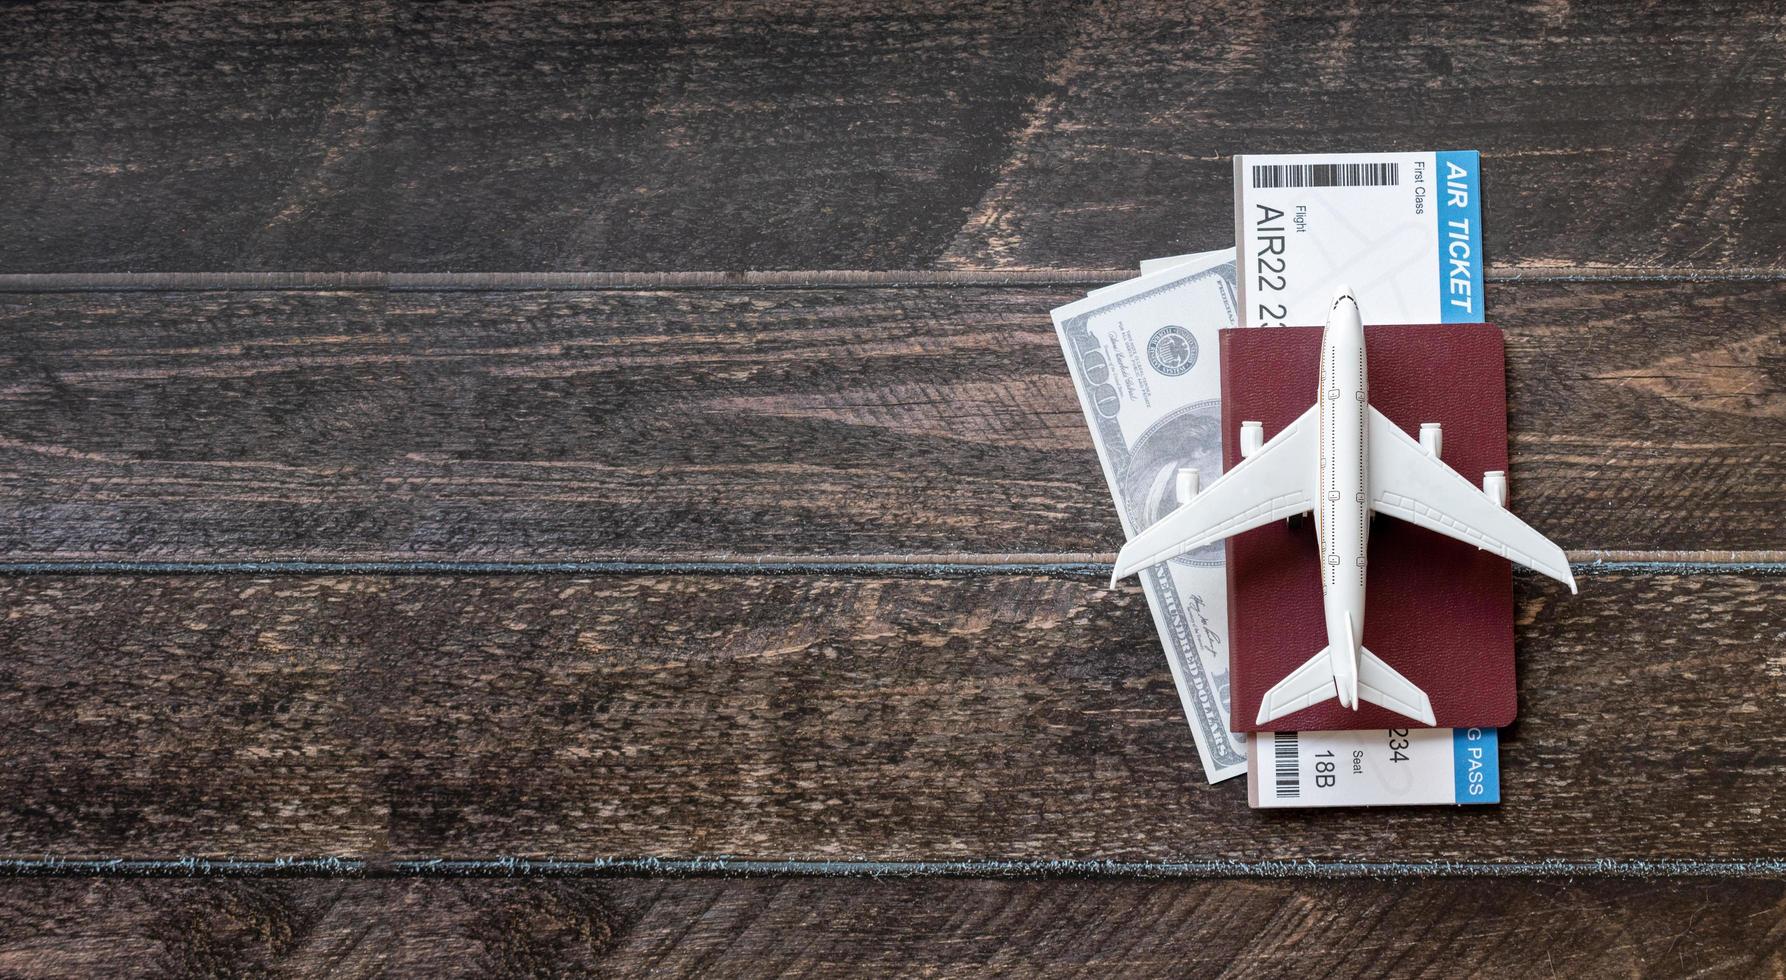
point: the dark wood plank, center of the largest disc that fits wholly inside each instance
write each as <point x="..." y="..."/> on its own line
<point x="190" y="137"/>
<point x="699" y="424"/>
<point x="794" y="717"/>
<point x="778" y="135"/>
<point x="515" y="136"/>
<point x="1427" y="928"/>
<point x="1633" y="136"/>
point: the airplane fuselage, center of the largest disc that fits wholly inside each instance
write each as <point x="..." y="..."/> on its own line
<point x="1342" y="511"/>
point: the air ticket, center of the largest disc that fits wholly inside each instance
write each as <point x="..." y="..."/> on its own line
<point x="1404" y="230"/>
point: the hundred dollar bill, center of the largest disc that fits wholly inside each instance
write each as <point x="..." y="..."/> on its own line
<point x="1143" y="355"/>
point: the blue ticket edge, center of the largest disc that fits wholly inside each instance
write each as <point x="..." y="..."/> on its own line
<point x="1476" y="765"/>
<point x="1457" y="179"/>
<point x="1475" y="752"/>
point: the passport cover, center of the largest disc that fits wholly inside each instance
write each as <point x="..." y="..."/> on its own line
<point x="1437" y="610"/>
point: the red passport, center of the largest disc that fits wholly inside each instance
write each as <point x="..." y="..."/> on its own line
<point x="1437" y="610"/>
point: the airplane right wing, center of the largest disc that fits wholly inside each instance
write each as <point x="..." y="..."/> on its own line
<point x="1276" y="482"/>
<point x="1408" y="484"/>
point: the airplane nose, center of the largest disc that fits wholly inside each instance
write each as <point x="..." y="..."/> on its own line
<point x="1344" y="316"/>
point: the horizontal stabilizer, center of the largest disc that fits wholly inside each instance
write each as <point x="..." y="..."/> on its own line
<point x="1311" y="683"/>
<point x="1378" y="683"/>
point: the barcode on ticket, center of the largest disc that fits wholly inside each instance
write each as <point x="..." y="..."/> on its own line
<point x="1327" y="175"/>
<point x="1287" y="762"/>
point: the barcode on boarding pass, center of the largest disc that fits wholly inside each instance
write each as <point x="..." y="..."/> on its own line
<point x="1327" y="175"/>
<point x="1380" y="767"/>
<point x="1287" y="760"/>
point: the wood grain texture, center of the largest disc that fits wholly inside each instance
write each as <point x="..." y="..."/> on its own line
<point x="697" y="424"/>
<point x="776" y="135"/>
<point x="1543" y="928"/>
<point x="189" y="137"/>
<point x="516" y="136"/>
<point x="795" y="717"/>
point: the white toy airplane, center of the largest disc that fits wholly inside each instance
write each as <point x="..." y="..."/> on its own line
<point x="1344" y="460"/>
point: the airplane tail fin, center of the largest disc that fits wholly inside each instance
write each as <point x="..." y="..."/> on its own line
<point x="1314" y="682"/>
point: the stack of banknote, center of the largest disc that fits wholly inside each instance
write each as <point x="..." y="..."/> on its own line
<point x="1143" y="358"/>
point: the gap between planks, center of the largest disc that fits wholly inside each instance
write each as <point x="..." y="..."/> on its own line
<point x="725" y="867"/>
<point x="63" y="282"/>
<point x="1091" y="566"/>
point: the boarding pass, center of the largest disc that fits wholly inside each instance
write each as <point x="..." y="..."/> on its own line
<point x="1403" y="230"/>
<point x="1381" y="767"/>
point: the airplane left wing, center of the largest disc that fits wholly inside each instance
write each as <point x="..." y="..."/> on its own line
<point x="1408" y="484"/>
<point x="1276" y="482"/>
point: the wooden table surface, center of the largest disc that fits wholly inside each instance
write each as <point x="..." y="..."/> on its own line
<point x="556" y="488"/>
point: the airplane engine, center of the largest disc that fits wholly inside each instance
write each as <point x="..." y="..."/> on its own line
<point x="1190" y="483"/>
<point x="1432" y="438"/>
<point x="1252" y="436"/>
<point x="1494" y="483"/>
